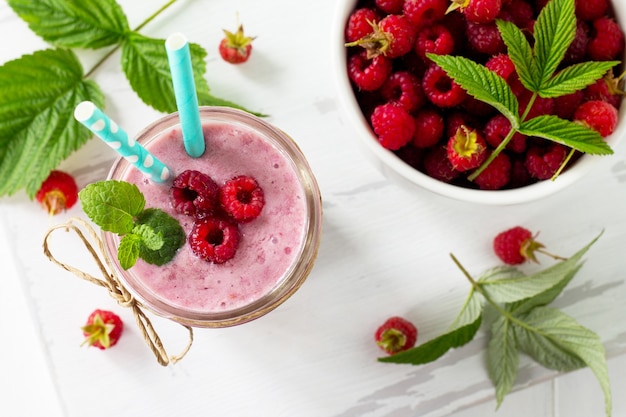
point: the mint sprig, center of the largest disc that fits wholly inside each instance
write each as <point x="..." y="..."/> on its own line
<point x="41" y="90"/>
<point x="147" y="233"/>
<point x="523" y="323"/>
<point x="538" y="68"/>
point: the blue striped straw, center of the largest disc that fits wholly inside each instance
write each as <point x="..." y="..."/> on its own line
<point x="106" y="129"/>
<point x="179" y="58"/>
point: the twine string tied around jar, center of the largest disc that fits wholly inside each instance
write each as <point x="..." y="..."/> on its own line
<point x="112" y="283"/>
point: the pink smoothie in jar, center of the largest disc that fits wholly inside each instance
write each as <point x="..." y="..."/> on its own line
<point x="276" y="250"/>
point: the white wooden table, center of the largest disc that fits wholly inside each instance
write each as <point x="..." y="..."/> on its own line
<point x="385" y="251"/>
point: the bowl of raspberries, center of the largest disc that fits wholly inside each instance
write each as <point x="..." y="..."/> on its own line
<point x="492" y="101"/>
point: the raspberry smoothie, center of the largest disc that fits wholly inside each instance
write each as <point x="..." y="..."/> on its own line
<point x="276" y="250"/>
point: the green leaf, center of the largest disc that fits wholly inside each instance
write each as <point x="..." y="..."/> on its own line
<point x="521" y="54"/>
<point x="502" y="286"/>
<point x="112" y="205"/>
<point x="74" y="24"/>
<point x="502" y="357"/>
<point x="575" y="78"/>
<point x="128" y="251"/>
<point x="37" y="127"/>
<point x="149" y="237"/>
<point x="554" y="31"/>
<point x="481" y="83"/>
<point x="168" y="228"/>
<point x="461" y="332"/>
<point x="558" y="342"/>
<point x="568" y="133"/>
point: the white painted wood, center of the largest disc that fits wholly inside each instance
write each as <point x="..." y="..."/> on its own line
<point x="384" y="251"/>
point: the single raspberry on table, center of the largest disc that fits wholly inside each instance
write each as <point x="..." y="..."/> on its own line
<point x="543" y="162"/>
<point x="440" y="89"/>
<point x="496" y="175"/>
<point x="194" y="193"/>
<point x="435" y="39"/>
<point x="235" y="47"/>
<point x="242" y="198"/>
<point x="58" y="192"/>
<point x="393" y="36"/>
<point x="606" y="41"/>
<point x="368" y="74"/>
<point x="423" y="13"/>
<point x="405" y="89"/>
<point x="395" y="335"/>
<point x="393" y="125"/>
<point x="478" y="11"/>
<point x="429" y="128"/>
<point x="466" y="149"/>
<point x="598" y="115"/>
<point x="103" y="329"/>
<point x="438" y="166"/>
<point x="360" y="23"/>
<point x="517" y="245"/>
<point x="214" y="239"/>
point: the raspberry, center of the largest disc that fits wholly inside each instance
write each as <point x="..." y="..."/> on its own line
<point x="440" y="89"/>
<point x="103" y="329"/>
<point x="194" y="194"/>
<point x="435" y="39"/>
<point x="543" y="162"/>
<point x="591" y="9"/>
<point x="393" y="125"/>
<point x="485" y="38"/>
<point x="515" y="246"/>
<point x="565" y="106"/>
<point x="520" y="12"/>
<point x="541" y="106"/>
<point x="411" y="155"/>
<point x="393" y="36"/>
<point x="578" y="48"/>
<point x="479" y="11"/>
<point x="456" y="119"/>
<point x="405" y="89"/>
<point x="519" y="174"/>
<point x="429" y="128"/>
<point x="395" y="335"/>
<point x="606" y="89"/>
<point x="496" y="175"/>
<point x="424" y="12"/>
<point x="598" y="115"/>
<point x="466" y="149"/>
<point x="58" y="192"/>
<point x="214" y="240"/>
<point x="236" y="47"/>
<point x="606" y="41"/>
<point x="360" y="23"/>
<point x="497" y="128"/>
<point x="438" y="166"/>
<point x="368" y="74"/>
<point x="502" y="65"/>
<point x="390" y="6"/>
<point x="242" y="198"/>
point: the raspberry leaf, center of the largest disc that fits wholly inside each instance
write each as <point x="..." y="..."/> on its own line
<point x="576" y="77"/>
<point x="568" y="133"/>
<point x="481" y="83"/>
<point x="37" y="127"/>
<point x="128" y="250"/>
<point x="112" y="205"/>
<point x="76" y="24"/>
<point x="558" y="342"/>
<point x="521" y="53"/>
<point x="502" y="357"/>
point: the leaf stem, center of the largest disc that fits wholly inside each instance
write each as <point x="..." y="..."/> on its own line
<point x="137" y="29"/>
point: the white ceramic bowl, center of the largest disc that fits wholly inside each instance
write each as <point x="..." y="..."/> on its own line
<point x="393" y="167"/>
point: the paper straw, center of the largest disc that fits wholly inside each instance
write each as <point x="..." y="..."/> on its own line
<point x="106" y="129"/>
<point x="185" y="91"/>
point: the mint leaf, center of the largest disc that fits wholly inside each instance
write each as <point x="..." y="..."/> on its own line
<point x="574" y="135"/>
<point x="554" y="31"/>
<point x="170" y="231"/>
<point x="502" y="357"/>
<point x="576" y="77"/>
<point x="148" y="236"/>
<point x="481" y="83"/>
<point x="461" y="332"/>
<point x="74" y="24"/>
<point x="37" y="127"/>
<point x="112" y="205"/>
<point x="521" y="54"/>
<point x="128" y="250"/>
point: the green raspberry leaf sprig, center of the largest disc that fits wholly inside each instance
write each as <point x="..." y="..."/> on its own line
<point x="538" y="66"/>
<point x="147" y="233"/>
<point x="41" y="90"/>
<point x="523" y="323"/>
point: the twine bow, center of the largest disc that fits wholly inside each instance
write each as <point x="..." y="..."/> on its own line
<point x="113" y="285"/>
